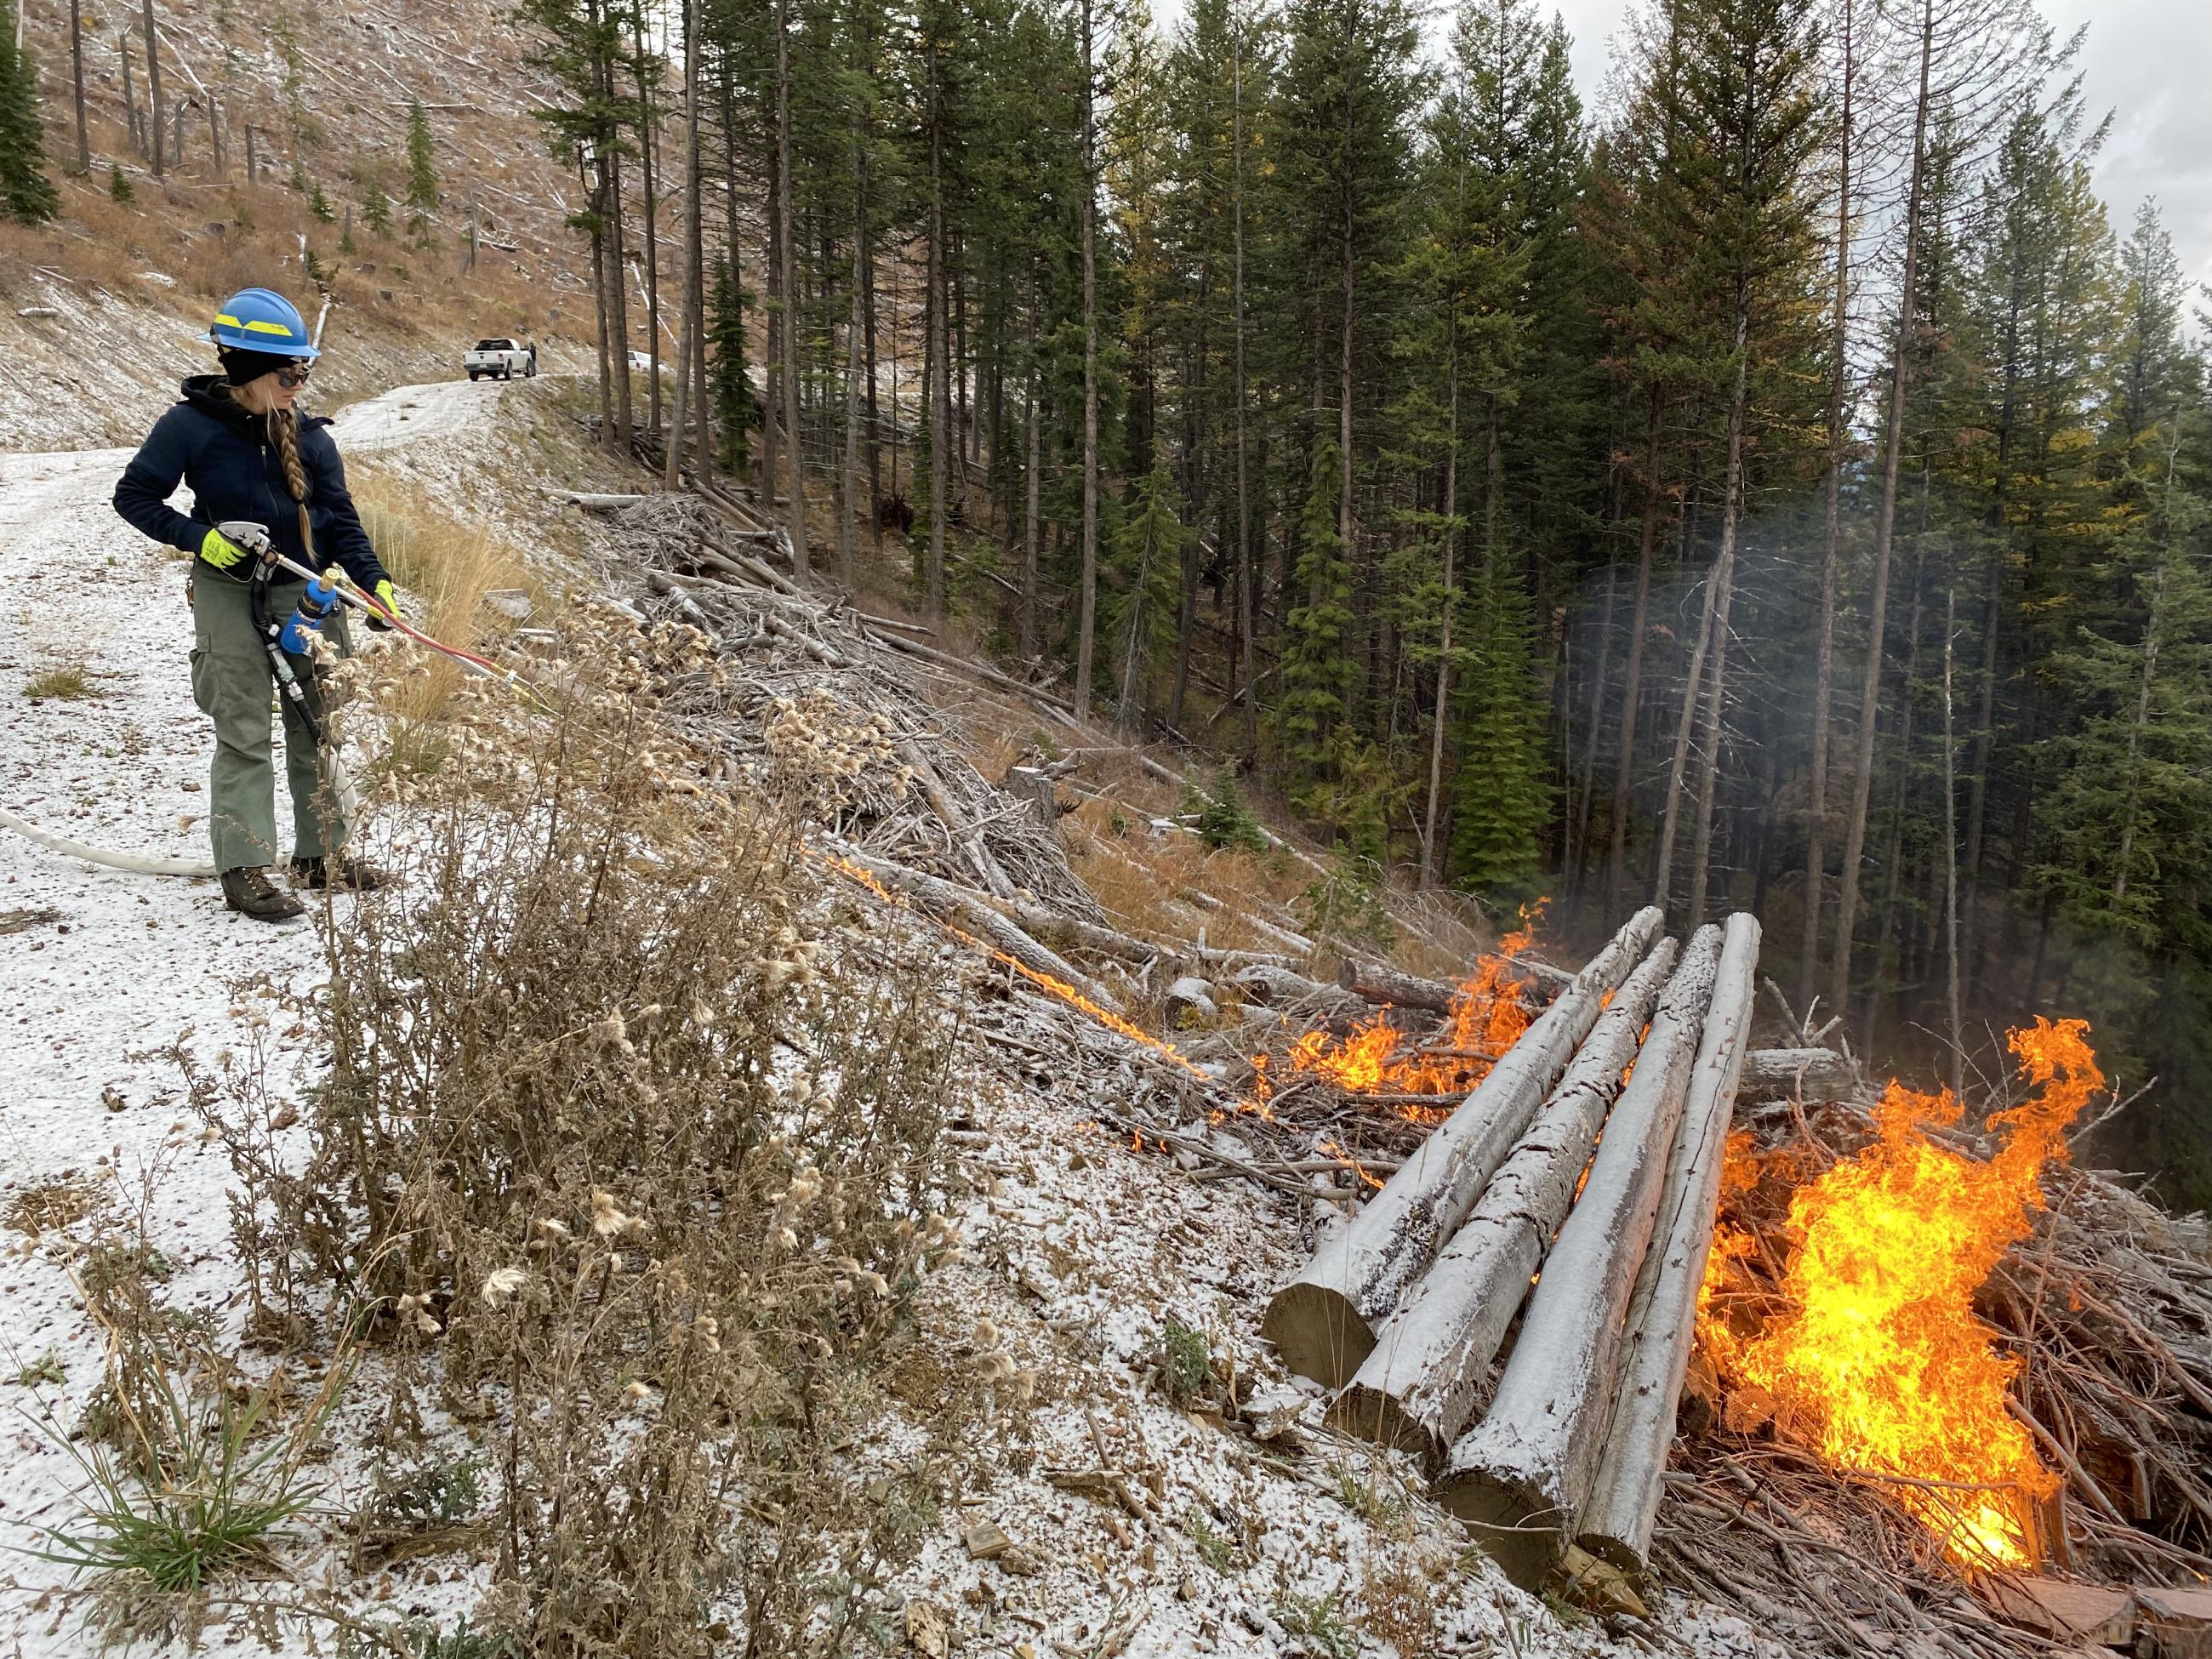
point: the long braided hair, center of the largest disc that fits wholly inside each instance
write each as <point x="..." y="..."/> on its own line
<point x="284" y="432"/>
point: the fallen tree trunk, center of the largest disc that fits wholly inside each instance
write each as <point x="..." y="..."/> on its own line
<point x="1662" y="1317"/>
<point x="1280" y="987"/>
<point x="1519" y="1476"/>
<point x="1418" y="1388"/>
<point x="1803" y="1073"/>
<point x="1378" y="983"/>
<point x="1064" y="933"/>
<point x="957" y="905"/>
<point x="1322" y="1322"/>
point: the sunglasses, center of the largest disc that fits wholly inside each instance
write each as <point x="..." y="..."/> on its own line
<point x="294" y="375"/>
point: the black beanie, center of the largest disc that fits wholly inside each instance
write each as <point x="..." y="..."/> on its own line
<point x="239" y="366"/>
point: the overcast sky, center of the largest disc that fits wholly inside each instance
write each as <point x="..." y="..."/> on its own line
<point x="2149" y="62"/>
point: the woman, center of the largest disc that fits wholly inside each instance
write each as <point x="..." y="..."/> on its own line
<point x="247" y="454"/>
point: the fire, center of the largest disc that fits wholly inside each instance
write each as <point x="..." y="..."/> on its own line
<point x="1879" y="1362"/>
<point x="1082" y="1004"/>
<point x="1487" y="1018"/>
<point x="1049" y="984"/>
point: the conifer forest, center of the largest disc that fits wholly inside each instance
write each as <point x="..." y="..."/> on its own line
<point x="1779" y="486"/>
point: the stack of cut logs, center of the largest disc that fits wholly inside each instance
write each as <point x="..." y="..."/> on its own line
<point x="1591" y="1179"/>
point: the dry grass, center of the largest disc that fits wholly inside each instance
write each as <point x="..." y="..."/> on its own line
<point x="65" y="684"/>
<point x="57" y="1202"/>
<point x="444" y="567"/>
<point x="1146" y="881"/>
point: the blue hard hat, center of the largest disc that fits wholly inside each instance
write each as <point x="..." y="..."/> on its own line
<point x="260" y="319"/>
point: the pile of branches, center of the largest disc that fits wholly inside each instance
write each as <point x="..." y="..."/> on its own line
<point x="816" y="703"/>
<point x="2107" y="1306"/>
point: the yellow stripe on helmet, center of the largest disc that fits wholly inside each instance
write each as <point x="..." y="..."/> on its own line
<point x="225" y="317"/>
<point x="255" y="325"/>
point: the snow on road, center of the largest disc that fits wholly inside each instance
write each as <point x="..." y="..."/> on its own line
<point x="409" y="414"/>
<point x="102" y="968"/>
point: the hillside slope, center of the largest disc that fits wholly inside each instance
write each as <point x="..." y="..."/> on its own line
<point x="105" y="302"/>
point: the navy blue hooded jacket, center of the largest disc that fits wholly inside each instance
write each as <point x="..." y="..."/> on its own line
<point x="227" y="458"/>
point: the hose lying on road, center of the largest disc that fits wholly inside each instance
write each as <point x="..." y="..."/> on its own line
<point x="134" y="862"/>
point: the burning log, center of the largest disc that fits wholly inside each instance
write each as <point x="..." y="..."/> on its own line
<point x="1520" y="1476"/>
<point x="1376" y="983"/>
<point x="1419" y="1386"/>
<point x="1322" y="1322"/>
<point x="956" y="905"/>
<point x="1804" y="1073"/>
<point x="1662" y="1318"/>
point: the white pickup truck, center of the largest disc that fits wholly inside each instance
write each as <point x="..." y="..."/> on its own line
<point x="501" y="357"/>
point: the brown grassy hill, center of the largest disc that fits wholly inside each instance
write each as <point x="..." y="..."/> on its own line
<point x="327" y="97"/>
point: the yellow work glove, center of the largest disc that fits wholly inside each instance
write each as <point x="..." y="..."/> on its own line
<point x="388" y="596"/>
<point x="219" y="550"/>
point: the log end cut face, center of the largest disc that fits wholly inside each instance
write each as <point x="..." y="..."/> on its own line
<point x="1318" y="1333"/>
<point x="1371" y="1415"/>
<point x="1513" y="1522"/>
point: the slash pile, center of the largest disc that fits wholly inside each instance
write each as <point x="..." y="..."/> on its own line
<point x="1406" y="1307"/>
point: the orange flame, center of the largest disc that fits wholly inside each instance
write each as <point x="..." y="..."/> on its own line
<point x="1050" y="984"/>
<point x="1879" y="1362"/>
<point x="1487" y="1016"/>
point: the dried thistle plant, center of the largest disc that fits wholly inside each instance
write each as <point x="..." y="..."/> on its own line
<point x="619" y="1153"/>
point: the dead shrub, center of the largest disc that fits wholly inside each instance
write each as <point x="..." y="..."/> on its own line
<point x="624" y="1154"/>
<point x="1397" y="1604"/>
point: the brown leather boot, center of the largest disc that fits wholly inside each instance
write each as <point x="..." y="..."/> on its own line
<point x="348" y="875"/>
<point x="251" y="893"/>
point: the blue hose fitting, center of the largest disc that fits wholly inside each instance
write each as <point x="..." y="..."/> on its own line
<point x="308" y="616"/>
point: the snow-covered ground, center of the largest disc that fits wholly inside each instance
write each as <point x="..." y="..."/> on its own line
<point x="1078" y="1248"/>
<point x="415" y="414"/>
<point x="103" y="968"/>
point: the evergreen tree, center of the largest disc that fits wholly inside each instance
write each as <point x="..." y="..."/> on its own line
<point x="26" y="195"/>
<point x="1140" y="608"/>
<point x="119" y="184"/>
<point x="319" y="204"/>
<point x="376" y="209"/>
<point x="1317" y="669"/>
<point x="736" y="411"/>
<point x="1502" y="802"/>
<point x="422" y="169"/>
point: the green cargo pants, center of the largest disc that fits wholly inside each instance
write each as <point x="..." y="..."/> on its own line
<point x="233" y="684"/>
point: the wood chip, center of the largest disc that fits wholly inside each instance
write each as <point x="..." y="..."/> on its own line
<point x="928" y="1631"/>
<point x="986" y="1542"/>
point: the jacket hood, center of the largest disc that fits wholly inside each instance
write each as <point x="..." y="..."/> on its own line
<point x="203" y="392"/>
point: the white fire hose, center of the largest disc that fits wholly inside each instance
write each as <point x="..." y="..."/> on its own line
<point x="135" y="862"/>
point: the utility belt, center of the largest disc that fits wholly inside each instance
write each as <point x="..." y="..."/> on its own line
<point x="200" y="570"/>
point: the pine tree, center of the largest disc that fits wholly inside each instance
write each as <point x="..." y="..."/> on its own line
<point x="26" y="195"/>
<point x="1503" y="798"/>
<point x="1317" y="669"/>
<point x="118" y="183"/>
<point x="736" y="412"/>
<point x="376" y="209"/>
<point x="421" y="170"/>
<point x="1139" y="608"/>
<point x="319" y="204"/>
